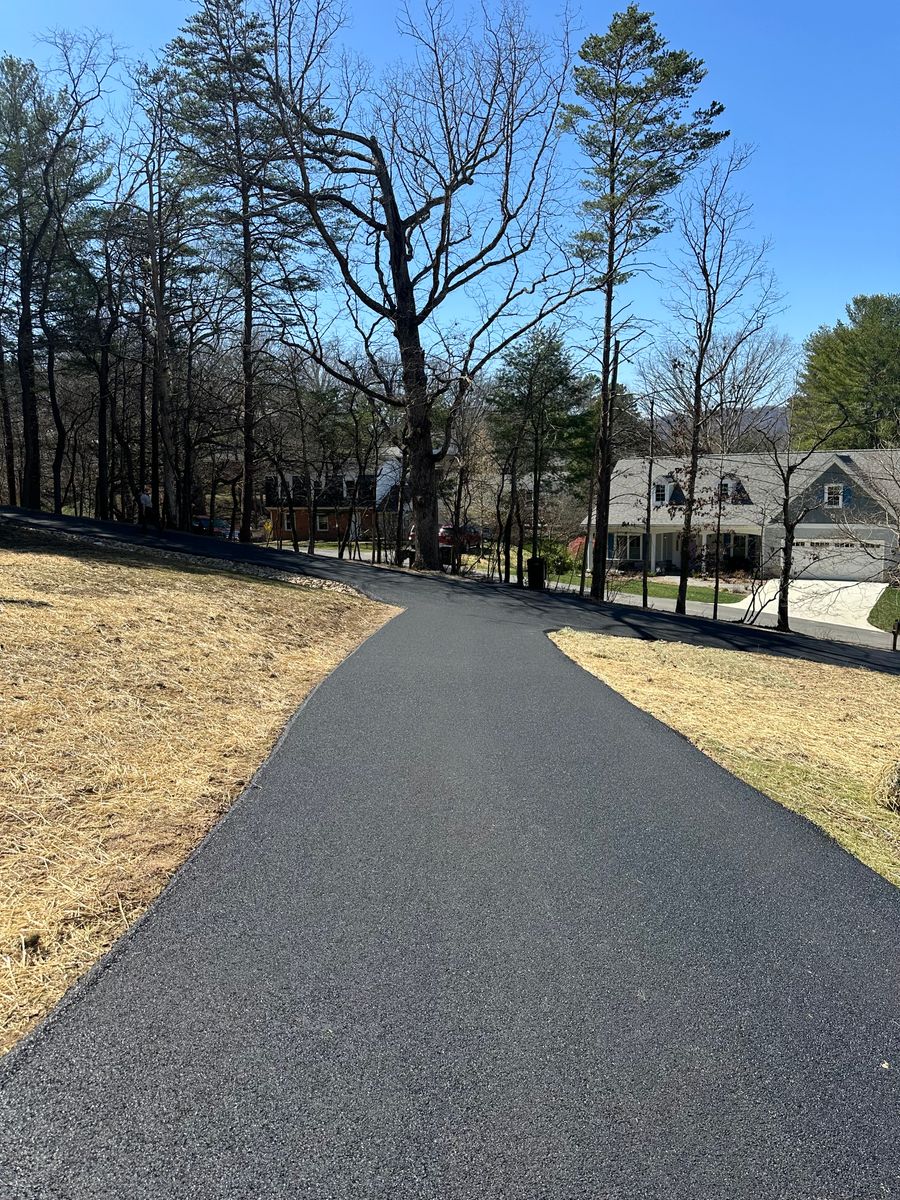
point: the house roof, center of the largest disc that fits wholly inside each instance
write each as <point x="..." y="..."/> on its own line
<point x="759" y="492"/>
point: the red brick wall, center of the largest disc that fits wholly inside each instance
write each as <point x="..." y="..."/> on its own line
<point x="337" y="524"/>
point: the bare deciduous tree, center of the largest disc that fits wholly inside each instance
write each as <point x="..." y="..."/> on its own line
<point x="419" y="188"/>
<point x="722" y="294"/>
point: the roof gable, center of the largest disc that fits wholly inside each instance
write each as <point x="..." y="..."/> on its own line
<point x="873" y="477"/>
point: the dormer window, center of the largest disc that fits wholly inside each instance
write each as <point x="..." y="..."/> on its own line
<point x="659" y="493"/>
<point x="834" y="495"/>
<point x="725" y="489"/>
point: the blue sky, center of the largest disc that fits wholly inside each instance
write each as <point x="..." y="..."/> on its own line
<point x="811" y="85"/>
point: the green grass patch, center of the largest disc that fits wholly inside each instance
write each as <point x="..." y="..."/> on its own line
<point x="669" y="591"/>
<point x="886" y="610"/>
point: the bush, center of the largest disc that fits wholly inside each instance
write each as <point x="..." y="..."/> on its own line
<point x="560" y="561"/>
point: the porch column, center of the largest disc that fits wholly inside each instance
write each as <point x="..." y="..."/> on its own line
<point x="653" y="537"/>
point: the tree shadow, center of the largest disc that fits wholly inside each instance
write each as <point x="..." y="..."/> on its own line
<point x="550" y="611"/>
<point x="127" y="548"/>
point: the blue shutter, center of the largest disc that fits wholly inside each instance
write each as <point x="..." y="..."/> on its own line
<point x="848" y="495"/>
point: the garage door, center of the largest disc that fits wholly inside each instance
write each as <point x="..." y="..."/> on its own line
<point x="831" y="558"/>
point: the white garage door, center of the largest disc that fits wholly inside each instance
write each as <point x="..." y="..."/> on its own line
<point x="831" y="558"/>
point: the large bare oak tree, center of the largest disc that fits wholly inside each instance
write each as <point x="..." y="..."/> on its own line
<point x="433" y="193"/>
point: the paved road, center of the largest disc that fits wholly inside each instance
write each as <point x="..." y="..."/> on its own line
<point x="858" y="632"/>
<point x="483" y="930"/>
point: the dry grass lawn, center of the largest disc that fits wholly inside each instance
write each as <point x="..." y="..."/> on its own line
<point x="819" y="739"/>
<point x="138" y="696"/>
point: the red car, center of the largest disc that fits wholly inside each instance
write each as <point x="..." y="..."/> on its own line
<point x="467" y="538"/>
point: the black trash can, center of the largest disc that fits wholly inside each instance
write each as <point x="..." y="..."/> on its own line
<point x="537" y="574"/>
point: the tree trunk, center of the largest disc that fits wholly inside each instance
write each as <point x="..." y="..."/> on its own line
<point x="607" y="400"/>
<point x="456" y="551"/>
<point x="9" y="454"/>
<point x="235" y="509"/>
<point x="31" y="442"/>
<point x="648" y="526"/>
<point x="101" y="496"/>
<point x="510" y="516"/>
<point x="185" y="513"/>
<point x="247" y="368"/>
<point x="520" y="545"/>
<point x="59" y="452"/>
<point x="691" y="493"/>
<point x="501" y="525"/>
<point x="213" y="488"/>
<point x="401" y="488"/>
<point x="155" y="479"/>
<point x="718" y="552"/>
<point x="142" y="401"/>
<point x="590" y="518"/>
<point x="422" y="473"/>
<point x="537" y="458"/>
<point x="312" y="507"/>
<point x="787" y="562"/>
<point x="609" y="384"/>
<point x="289" y="493"/>
<point x="507" y="543"/>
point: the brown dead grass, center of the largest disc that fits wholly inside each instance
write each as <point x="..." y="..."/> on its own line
<point x="819" y="739"/>
<point x="138" y="695"/>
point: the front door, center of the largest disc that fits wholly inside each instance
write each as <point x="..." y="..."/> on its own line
<point x="665" y="549"/>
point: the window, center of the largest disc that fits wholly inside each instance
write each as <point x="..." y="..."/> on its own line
<point x="725" y="489"/>
<point x="628" y="546"/>
<point x="321" y="522"/>
<point x="659" y="493"/>
<point x="834" y="495"/>
<point x="287" y="519"/>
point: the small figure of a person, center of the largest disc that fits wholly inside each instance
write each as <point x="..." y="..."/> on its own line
<point x="145" y="502"/>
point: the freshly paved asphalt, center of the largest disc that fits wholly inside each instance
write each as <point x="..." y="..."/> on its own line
<point x="481" y="929"/>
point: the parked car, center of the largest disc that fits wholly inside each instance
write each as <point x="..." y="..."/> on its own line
<point x="220" y="527"/>
<point x="467" y="538"/>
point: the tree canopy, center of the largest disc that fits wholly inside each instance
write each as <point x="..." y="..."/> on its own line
<point x="851" y="370"/>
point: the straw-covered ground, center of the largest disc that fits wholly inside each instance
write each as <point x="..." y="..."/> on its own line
<point x="822" y="740"/>
<point x="139" y="692"/>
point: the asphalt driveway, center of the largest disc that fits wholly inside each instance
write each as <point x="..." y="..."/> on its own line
<point x="480" y="929"/>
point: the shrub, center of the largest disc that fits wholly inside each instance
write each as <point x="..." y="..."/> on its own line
<point x="560" y="561"/>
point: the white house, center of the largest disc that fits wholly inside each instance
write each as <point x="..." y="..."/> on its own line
<point x="847" y="503"/>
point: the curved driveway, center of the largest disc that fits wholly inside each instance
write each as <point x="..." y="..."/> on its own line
<point x="481" y="929"/>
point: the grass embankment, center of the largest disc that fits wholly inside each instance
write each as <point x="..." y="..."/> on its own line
<point x="886" y="610"/>
<point x="816" y="738"/>
<point x="139" y="694"/>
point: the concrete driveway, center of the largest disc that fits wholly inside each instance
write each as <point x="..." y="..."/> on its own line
<point x="834" y="601"/>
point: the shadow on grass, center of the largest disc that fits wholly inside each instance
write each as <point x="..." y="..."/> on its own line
<point x="141" y="556"/>
<point x="550" y="610"/>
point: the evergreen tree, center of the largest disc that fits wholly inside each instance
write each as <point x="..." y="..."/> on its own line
<point x="634" y="123"/>
<point x="226" y="137"/>
<point x="851" y="370"/>
<point x="533" y="400"/>
<point x="48" y="152"/>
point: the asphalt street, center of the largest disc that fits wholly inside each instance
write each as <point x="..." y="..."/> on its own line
<point x="481" y="929"/>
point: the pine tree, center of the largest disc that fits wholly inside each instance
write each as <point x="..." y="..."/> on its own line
<point x="633" y="124"/>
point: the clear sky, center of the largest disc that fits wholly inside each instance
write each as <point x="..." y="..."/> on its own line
<point x="811" y="83"/>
